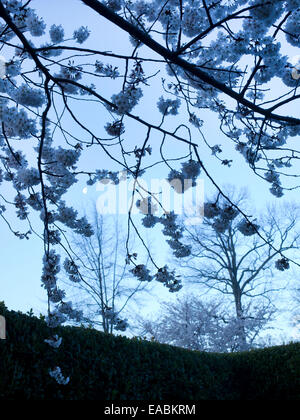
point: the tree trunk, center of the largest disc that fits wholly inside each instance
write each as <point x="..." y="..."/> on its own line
<point x="242" y="339"/>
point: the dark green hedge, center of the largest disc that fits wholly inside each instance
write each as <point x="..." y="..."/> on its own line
<point x="105" y="367"/>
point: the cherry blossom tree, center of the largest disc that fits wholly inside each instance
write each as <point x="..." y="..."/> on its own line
<point x="106" y="287"/>
<point x="205" y="325"/>
<point x="223" y="56"/>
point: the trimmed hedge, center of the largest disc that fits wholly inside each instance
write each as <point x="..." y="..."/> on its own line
<point x="106" y="367"/>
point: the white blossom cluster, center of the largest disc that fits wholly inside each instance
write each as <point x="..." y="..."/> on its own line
<point x="121" y="325"/>
<point x="282" y="264"/>
<point x="206" y="325"/>
<point x="169" y="279"/>
<point x="180" y="250"/>
<point x="106" y="70"/>
<point x="16" y="122"/>
<point x="21" y="206"/>
<point x="118" y="323"/>
<point x="273" y="177"/>
<point x="69" y="217"/>
<point x="129" y="97"/>
<point x="164" y="275"/>
<point x="175" y="232"/>
<point x="194" y="20"/>
<point x="126" y="100"/>
<point x="54" y="341"/>
<point x="72" y="73"/>
<point x="149" y="221"/>
<point x="293" y="27"/>
<point x="51" y="268"/>
<point x="35" y="25"/>
<point x="81" y="34"/>
<point x="211" y="210"/>
<point x="26" y="178"/>
<point x="222" y="216"/>
<point x="56" y="373"/>
<point x="141" y="272"/>
<point x="248" y="228"/>
<point x="25" y="95"/>
<point x="115" y="5"/>
<point x="59" y="163"/>
<point x="13" y="68"/>
<point x="186" y="178"/>
<point x="168" y="106"/>
<point x="55" y="319"/>
<point x="13" y="6"/>
<point x="141" y="152"/>
<point x="137" y="74"/>
<point x="251" y="156"/>
<point x="63" y="310"/>
<point x="170" y="229"/>
<point x="56" y="33"/>
<point x="56" y="295"/>
<point x="115" y="129"/>
<point x="66" y="309"/>
<point x="72" y="270"/>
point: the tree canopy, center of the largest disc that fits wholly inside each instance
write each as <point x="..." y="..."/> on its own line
<point x="228" y="57"/>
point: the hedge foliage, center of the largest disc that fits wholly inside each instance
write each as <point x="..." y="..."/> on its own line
<point x="107" y="367"/>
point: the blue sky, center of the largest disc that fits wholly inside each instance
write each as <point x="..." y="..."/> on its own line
<point x="21" y="260"/>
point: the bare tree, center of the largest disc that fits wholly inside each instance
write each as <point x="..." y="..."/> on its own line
<point x="206" y="325"/>
<point x="106" y="285"/>
<point x="227" y="257"/>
